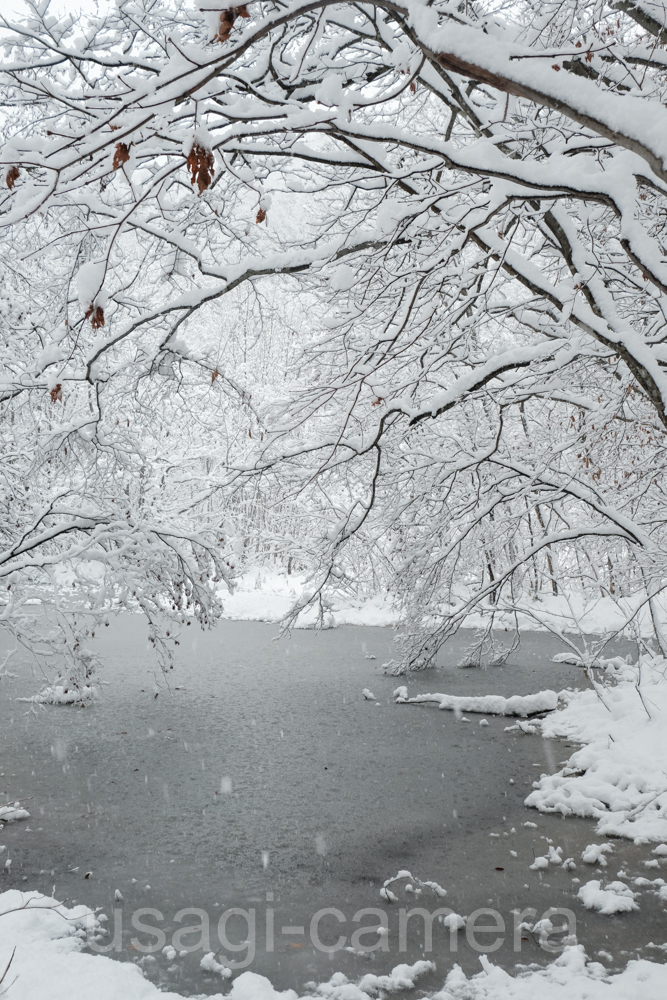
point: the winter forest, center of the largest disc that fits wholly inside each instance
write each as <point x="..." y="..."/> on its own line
<point x="368" y="297"/>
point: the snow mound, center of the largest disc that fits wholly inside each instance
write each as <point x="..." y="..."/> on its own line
<point x="616" y="898"/>
<point x="618" y="776"/>
<point x="570" y="977"/>
<point x="57" y="694"/>
<point x="10" y="813"/>
<point x="594" y="854"/>
<point x="568" y="657"/>
<point x="539" y="864"/>
<point x="209" y="964"/>
<point x="48" y="962"/>
<point x="251" y="986"/>
<point x="491" y="704"/>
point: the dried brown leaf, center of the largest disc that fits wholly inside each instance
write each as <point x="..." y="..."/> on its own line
<point x="56" y="394"/>
<point x="227" y="18"/>
<point x="12" y="177"/>
<point x="121" y="155"/>
<point x="96" y="316"/>
<point x="261" y="215"/>
<point x="201" y="164"/>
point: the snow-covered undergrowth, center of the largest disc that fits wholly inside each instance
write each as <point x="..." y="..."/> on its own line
<point x="57" y="694"/>
<point x="42" y="941"/>
<point x="618" y="777"/>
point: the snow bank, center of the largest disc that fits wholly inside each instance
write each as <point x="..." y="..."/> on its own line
<point x="574" y="613"/>
<point x="491" y="704"/>
<point x="264" y="594"/>
<point x="570" y="977"/>
<point x="268" y="595"/>
<point x="48" y="961"/>
<point x="618" y="777"/>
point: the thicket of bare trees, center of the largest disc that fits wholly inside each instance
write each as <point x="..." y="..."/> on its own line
<point x="447" y="221"/>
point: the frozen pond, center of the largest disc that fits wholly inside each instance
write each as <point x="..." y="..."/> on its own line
<point x="262" y="771"/>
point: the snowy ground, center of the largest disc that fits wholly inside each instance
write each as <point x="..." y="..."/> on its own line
<point x="267" y="595"/>
<point x="263" y="594"/>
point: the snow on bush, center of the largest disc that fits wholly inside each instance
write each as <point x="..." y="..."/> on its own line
<point x="57" y="694"/>
<point x="618" y="776"/>
<point x="410" y="885"/>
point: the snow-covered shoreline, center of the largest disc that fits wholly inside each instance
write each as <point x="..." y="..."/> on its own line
<point x="618" y="775"/>
<point x="42" y="950"/>
<point x="264" y="594"/>
<point x="268" y="596"/>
